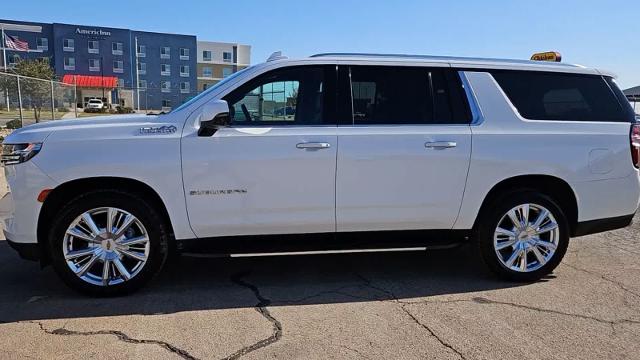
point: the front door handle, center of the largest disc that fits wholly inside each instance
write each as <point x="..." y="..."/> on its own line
<point x="440" y="144"/>
<point x="313" y="145"/>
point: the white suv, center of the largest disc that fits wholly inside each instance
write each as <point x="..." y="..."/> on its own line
<point x="331" y="152"/>
<point x="95" y="104"/>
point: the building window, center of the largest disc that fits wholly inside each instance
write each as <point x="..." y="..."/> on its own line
<point x="142" y="68"/>
<point x="120" y="82"/>
<point x="184" y="70"/>
<point x="184" y="87"/>
<point x="204" y="87"/>
<point x="206" y="55"/>
<point x="118" y="66"/>
<point x="93" y="47"/>
<point x="207" y="72"/>
<point x="68" y="45"/>
<point x="116" y="48"/>
<point x="165" y="86"/>
<point x="165" y="69"/>
<point x="165" y="52"/>
<point x="184" y="54"/>
<point x="142" y="51"/>
<point x="166" y="104"/>
<point x="142" y="84"/>
<point x="226" y="56"/>
<point x="69" y="63"/>
<point x="94" y="65"/>
<point x="226" y="72"/>
<point x="42" y="44"/>
<point x="14" y="59"/>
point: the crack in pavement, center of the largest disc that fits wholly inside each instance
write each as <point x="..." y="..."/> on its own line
<point x="261" y="308"/>
<point x="355" y="351"/>
<point x="481" y="300"/>
<point x="119" y="335"/>
<point x="603" y="277"/>
<point x="403" y="305"/>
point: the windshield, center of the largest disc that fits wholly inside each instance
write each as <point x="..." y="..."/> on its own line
<point x="213" y="88"/>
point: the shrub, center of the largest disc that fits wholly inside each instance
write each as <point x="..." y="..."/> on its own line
<point x="14" y="124"/>
<point x="63" y="109"/>
<point x="124" y="110"/>
<point x="91" y="110"/>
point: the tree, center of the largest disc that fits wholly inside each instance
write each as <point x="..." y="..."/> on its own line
<point x="35" y="91"/>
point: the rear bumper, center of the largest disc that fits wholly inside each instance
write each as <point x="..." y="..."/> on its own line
<point x="601" y="225"/>
<point x="27" y="251"/>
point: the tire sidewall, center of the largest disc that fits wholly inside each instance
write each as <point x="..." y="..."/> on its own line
<point x="495" y="213"/>
<point x="131" y="203"/>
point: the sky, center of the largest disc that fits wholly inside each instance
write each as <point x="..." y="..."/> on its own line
<point x="601" y="34"/>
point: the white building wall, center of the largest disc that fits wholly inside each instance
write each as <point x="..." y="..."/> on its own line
<point x="244" y="55"/>
<point x="217" y="49"/>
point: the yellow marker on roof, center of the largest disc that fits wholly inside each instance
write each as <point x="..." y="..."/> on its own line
<point x="547" y="56"/>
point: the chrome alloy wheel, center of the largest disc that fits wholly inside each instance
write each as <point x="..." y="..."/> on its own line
<point x="526" y="238"/>
<point x="106" y="246"/>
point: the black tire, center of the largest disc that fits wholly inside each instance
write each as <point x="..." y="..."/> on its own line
<point x="488" y="223"/>
<point x="157" y="232"/>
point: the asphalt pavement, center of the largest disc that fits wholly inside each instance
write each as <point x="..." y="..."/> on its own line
<point x="420" y="305"/>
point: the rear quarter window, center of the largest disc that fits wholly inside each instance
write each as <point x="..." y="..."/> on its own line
<point x="562" y="97"/>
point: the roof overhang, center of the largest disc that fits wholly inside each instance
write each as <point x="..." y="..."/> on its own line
<point x="90" y="81"/>
<point x="20" y="27"/>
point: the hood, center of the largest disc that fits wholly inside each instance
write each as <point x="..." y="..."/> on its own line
<point x="39" y="132"/>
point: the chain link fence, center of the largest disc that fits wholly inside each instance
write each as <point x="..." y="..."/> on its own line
<point x="25" y="100"/>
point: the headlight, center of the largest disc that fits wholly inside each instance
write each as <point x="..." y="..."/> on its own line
<point x="18" y="153"/>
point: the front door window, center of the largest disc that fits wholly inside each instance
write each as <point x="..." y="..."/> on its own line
<point x="291" y="96"/>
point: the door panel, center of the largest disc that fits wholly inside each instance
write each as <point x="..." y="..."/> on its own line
<point x="387" y="179"/>
<point x="403" y="160"/>
<point x="273" y="170"/>
<point x="250" y="181"/>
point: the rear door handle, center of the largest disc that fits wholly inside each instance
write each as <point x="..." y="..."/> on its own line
<point x="440" y="144"/>
<point x="313" y="145"/>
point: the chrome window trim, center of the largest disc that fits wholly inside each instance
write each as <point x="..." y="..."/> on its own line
<point x="476" y="113"/>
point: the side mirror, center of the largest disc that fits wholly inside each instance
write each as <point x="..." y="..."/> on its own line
<point x="214" y="115"/>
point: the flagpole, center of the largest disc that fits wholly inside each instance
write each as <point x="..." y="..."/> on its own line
<point x="4" y="61"/>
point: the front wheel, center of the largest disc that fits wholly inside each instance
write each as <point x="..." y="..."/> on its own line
<point x="108" y="242"/>
<point x="523" y="236"/>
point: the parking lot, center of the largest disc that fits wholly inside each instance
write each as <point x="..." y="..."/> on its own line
<point x="439" y="305"/>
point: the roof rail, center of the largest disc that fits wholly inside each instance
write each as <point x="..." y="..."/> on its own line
<point x="433" y="57"/>
<point x="338" y="54"/>
<point x="276" y="56"/>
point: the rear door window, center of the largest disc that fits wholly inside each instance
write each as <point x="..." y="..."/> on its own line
<point x="564" y="97"/>
<point x="388" y="95"/>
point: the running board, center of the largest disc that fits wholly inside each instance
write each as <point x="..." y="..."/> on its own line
<point x="295" y="253"/>
<point x="324" y="243"/>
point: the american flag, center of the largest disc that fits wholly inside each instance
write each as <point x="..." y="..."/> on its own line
<point x="12" y="42"/>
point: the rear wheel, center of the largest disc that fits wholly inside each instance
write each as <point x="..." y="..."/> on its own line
<point x="108" y="243"/>
<point x="523" y="236"/>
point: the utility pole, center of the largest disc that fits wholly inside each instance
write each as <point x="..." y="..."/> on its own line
<point x="4" y="61"/>
<point x="75" y="95"/>
<point x="137" y="76"/>
<point x="53" y="103"/>
<point x="102" y="76"/>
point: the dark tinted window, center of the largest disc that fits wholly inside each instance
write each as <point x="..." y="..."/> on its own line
<point x="556" y="96"/>
<point x="624" y="102"/>
<point x="290" y="96"/>
<point x="403" y="95"/>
